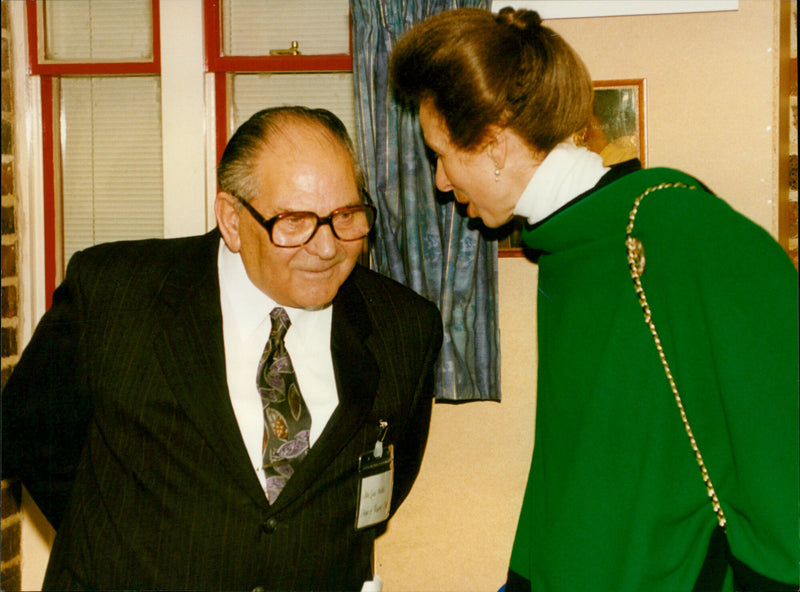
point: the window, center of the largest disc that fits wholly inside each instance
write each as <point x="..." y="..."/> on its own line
<point x="133" y="120"/>
<point x="100" y="90"/>
<point x="266" y="54"/>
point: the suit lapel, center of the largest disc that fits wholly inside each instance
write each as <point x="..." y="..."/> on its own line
<point x="192" y="355"/>
<point x="356" y="381"/>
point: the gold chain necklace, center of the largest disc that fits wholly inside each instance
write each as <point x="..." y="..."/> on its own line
<point x="636" y="264"/>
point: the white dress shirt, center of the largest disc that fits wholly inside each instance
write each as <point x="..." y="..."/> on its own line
<point x="246" y="327"/>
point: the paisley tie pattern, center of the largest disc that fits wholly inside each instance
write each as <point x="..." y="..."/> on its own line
<point x="287" y="420"/>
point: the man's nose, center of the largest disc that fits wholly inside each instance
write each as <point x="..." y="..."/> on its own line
<point x="324" y="242"/>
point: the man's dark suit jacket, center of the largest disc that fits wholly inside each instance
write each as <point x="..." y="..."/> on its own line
<point x="126" y="373"/>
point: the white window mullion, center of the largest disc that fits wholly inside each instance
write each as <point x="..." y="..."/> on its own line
<point x="29" y="188"/>
<point x="184" y="118"/>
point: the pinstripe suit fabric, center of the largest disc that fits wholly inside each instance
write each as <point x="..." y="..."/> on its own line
<point x="126" y="372"/>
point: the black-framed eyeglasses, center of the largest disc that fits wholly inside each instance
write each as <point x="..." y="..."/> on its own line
<point x="294" y="229"/>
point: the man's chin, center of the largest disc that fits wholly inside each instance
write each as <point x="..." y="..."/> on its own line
<point x="313" y="298"/>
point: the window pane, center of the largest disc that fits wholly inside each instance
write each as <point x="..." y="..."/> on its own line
<point x="111" y="160"/>
<point x="253" y="27"/>
<point x="98" y="30"/>
<point x="332" y="91"/>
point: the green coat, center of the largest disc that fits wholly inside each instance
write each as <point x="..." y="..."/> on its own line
<point x="615" y="499"/>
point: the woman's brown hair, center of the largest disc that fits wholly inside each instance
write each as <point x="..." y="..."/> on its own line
<point x="479" y="69"/>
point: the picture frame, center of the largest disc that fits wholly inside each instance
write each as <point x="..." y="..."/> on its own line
<point x="617" y="132"/>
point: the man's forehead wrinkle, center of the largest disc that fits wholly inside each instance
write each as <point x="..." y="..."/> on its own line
<point x="285" y="136"/>
<point x="288" y="178"/>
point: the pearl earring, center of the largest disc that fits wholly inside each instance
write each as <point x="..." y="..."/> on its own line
<point x="496" y="174"/>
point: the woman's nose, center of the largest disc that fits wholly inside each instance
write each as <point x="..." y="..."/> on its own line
<point x="442" y="182"/>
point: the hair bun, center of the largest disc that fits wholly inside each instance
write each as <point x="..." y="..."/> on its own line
<point x="522" y="20"/>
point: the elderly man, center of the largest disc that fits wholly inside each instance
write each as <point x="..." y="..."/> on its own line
<point x="238" y="410"/>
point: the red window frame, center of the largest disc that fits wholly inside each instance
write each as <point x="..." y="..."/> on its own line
<point x="48" y="71"/>
<point x="221" y="65"/>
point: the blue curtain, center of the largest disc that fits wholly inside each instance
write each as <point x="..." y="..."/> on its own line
<point x="421" y="240"/>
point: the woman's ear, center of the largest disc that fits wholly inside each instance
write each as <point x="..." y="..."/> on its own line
<point x="497" y="145"/>
<point x="227" y="214"/>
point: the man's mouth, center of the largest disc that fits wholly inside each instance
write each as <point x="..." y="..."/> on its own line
<point x="321" y="270"/>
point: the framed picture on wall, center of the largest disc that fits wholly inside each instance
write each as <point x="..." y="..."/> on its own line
<point x="616" y="132"/>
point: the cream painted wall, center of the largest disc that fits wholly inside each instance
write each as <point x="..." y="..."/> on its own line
<point x="712" y="104"/>
<point x="454" y="532"/>
<point x="711" y="89"/>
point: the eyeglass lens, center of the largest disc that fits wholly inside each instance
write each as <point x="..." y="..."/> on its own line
<point x="296" y="228"/>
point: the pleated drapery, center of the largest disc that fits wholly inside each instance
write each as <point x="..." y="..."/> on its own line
<point x="421" y="240"/>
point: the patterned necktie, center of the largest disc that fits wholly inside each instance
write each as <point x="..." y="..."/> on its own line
<point x="287" y="420"/>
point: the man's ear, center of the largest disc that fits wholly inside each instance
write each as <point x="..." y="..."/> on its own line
<point x="227" y="215"/>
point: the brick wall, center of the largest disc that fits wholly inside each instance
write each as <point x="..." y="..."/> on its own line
<point x="10" y="574"/>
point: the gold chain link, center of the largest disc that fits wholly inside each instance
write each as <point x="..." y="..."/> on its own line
<point x="636" y="264"/>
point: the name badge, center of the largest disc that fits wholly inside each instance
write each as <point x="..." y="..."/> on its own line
<point x="376" y="470"/>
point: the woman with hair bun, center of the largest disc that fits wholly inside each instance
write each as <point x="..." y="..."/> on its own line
<point x="662" y="313"/>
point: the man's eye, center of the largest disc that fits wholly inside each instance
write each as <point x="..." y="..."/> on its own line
<point x="295" y="220"/>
